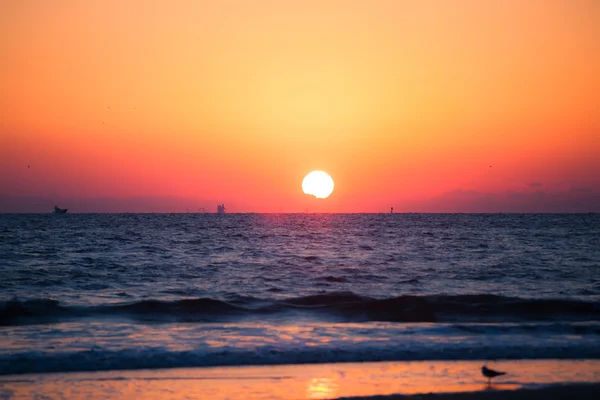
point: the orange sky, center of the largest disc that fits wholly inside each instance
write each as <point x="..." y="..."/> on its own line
<point x="422" y="105"/>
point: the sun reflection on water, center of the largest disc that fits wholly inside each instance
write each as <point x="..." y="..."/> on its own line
<point x="322" y="388"/>
<point x="293" y="382"/>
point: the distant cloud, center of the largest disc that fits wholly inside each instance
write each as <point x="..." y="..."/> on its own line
<point x="581" y="190"/>
<point x="470" y="201"/>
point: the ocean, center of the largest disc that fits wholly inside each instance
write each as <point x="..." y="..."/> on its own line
<point x="101" y="292"/>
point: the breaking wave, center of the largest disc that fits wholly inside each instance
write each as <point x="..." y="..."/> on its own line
<point x="339" y="306"/>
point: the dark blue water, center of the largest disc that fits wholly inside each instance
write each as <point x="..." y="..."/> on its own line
<point x="107" y="291"/>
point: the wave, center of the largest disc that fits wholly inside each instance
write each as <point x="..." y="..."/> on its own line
<point x="339" y="306"/>
<point x="15" y="312"/>
<point x="98" y="359"/>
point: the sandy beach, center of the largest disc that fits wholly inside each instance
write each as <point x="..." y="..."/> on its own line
<point x="531" y="379"/>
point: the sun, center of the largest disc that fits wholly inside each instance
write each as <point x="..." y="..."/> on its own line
<point x="318" y="184"/>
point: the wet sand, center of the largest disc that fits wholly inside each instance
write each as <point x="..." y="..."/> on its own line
<point x="553" y="392"/>
<point x="393" y="380"/>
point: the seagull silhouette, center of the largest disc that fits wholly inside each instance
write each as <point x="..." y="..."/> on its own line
<point x="490" y="373"/>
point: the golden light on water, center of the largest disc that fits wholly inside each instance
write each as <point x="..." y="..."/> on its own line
<point x="287" y="382"/>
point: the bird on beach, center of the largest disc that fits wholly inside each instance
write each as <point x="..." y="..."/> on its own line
<point x="490" y="373"/>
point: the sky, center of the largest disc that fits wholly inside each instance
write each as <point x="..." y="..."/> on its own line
<point x="424" y="106"/>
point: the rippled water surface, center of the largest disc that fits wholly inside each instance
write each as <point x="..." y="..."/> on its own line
<point x="151" y="290"/>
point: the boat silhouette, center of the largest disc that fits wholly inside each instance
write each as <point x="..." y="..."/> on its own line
<point x="58" y="210"/>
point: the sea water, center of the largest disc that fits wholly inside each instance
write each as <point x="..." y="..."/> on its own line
<point x="81" y="292"/>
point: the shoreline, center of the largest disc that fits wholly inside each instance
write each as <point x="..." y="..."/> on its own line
<point x="525" y="379"/>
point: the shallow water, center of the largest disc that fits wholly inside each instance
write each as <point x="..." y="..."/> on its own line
<point x="293" y="382"/>
<point x="106" y="291"/>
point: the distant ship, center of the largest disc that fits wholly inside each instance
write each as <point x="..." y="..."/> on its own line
<point x="221" y="209"/>
<point x="59" y="210"/>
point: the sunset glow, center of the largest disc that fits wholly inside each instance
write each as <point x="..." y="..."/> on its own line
<point x="430" y="106"/>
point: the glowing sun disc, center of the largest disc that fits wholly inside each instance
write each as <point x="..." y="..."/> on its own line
<point x="318" y="184"/>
